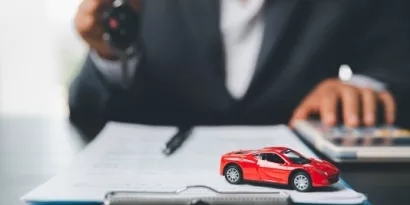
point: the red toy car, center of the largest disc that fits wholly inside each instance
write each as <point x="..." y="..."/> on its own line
<point x="279" y="165"/>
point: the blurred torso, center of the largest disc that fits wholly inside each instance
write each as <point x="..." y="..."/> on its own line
<point x="304" y="42"/>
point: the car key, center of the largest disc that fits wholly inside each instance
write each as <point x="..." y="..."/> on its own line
<point x="121" y="28"/>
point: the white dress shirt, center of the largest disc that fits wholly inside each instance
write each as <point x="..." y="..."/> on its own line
<point x="242" y="29"/>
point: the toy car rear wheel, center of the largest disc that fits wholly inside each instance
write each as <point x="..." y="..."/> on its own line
<point x="301" y="181"/>
<point x="233" y="174"/>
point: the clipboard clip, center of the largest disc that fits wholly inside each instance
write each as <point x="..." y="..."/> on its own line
<point x="196" y="195"/>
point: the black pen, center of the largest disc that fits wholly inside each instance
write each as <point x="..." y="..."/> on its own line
<point x="177" y="140"/>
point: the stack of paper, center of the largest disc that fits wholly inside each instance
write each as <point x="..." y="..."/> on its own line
<point x="128" y="157"/>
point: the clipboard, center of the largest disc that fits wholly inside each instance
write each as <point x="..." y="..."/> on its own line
<point x="196" y="195"/>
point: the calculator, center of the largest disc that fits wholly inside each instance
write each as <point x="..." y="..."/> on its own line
<point x="380" y="143"/>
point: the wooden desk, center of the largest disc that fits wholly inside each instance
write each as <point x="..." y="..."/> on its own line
<point x="33" y="150"/>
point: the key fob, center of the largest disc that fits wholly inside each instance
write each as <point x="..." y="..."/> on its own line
<point x="121" y="25"/>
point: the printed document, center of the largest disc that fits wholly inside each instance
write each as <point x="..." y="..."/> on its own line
<point x="127" y="157"/>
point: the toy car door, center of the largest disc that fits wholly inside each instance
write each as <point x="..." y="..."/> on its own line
<point x="272" y="168"/>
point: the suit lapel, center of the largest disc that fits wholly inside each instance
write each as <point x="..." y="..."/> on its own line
<point x="202" y="19"/>
<point x="204" y="13"/>
<point x="277" y="15"/>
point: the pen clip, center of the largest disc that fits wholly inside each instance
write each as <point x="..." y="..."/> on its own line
<point x="206" y="196"/>
<point x="187" y="188"/>
<point x="220" y="192"/>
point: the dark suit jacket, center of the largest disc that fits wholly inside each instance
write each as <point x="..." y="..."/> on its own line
<point x="180" y="79"/>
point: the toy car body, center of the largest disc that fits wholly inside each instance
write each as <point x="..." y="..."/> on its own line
<point x="279" y="165"/>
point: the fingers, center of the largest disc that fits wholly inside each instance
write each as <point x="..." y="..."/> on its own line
<point x="324" y="100"/>
<point x="351" y="98"/>
<point x="389" y="106"/>
<point x="86" y="20"/>
<point x="88" y="25"/>
<point x="350" y="105"/>
<point x="328" y="109"/>
<point x="369" y="107"/>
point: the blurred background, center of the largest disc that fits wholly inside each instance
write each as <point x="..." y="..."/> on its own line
<point x="38" y="42"/>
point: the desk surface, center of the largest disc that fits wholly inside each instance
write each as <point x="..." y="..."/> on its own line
<point x="33" y="150"/>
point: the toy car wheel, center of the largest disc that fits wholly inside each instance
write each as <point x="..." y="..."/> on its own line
<point x="233" y="174"/>
<point x="301" y="182"/>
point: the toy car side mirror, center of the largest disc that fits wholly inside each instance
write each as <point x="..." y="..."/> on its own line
<point x="254" y="156"/>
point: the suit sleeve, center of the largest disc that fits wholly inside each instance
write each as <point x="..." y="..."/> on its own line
<point x="363" y="81"/>
<point x="111" y="69"/>
<point x="95" y="99"/>
<point x="383" y="53"/>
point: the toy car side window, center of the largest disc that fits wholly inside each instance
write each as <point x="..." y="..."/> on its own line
<point x="272" y="157"/>
<point x="262" y="156"/>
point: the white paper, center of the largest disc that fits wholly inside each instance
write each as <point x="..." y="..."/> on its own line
<point x="129" y="158"/>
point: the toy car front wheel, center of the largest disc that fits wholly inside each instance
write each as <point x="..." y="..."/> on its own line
<point x="233" y="174"/>
<point x="301" y="182"/>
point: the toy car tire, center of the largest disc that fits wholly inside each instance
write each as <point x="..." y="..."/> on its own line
<point x="233" y="174"/>
<point x="301" y="182"/>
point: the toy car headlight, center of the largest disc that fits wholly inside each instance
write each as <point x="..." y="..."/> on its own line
<point x="321" y="172"/>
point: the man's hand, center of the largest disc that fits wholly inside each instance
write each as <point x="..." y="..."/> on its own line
<point x="88" y="24"/>
<point x="323" y="100"/>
